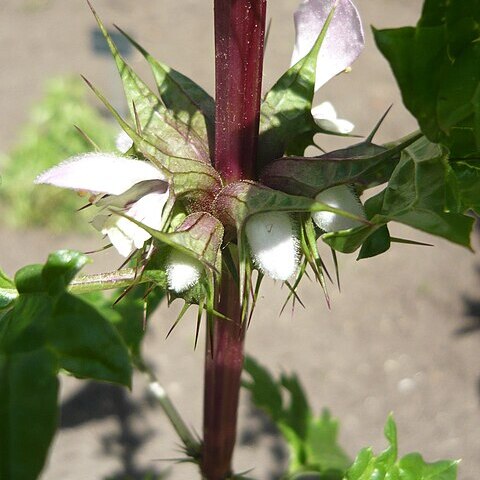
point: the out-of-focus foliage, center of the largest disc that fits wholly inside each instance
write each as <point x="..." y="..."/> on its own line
<point x="313" y="441"/>
<point x="48" y="138"/>
<point x="46" y="330"/>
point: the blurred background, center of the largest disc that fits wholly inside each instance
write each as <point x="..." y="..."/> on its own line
<point x="402" y="336"/>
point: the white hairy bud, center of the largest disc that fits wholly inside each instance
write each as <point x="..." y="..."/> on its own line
<point x="343" y="198"/>
<point x="273" y="243"/>
<point x="183" y="271"/>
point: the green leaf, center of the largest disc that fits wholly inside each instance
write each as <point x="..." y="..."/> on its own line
<point x="28" y="411"/>
<point x="312" y="441"/>
<point x="190" y="178"/>
<point x="464" y="179"/>
<point x="308" y="176"/>
<point x="170" y="134"/>
<point x="88" y="346"/>
<point x="200" y="236"/>
<point x="322" y="446"/>
<point x="436" y="67"/>
<point x="348" y="241"/>
<point x="285" y="113"/>
<point x="265" y="391"/>
<point x="387" y="466"/>
<point x="376" y="244"/>
<point x="187" y="100"/>
<point x="416" y="195"/>
<point x="8" y="292"/>
<point x="240" y="200"/>
<point x="130" y="314"/>
<point x="61" y="268"/>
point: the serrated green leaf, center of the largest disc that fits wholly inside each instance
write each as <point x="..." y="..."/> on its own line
<point x="312" y="442"/>
<point x="322" y="446"/>
<point x="436" y="67"/>
<point x="187" y="100"/>
<point x="387" y="466"/>
<point x="171" y="135"/>
<point x="416" y="195"/>
<point x="193" y="179"/>
<point x="285" y="113"/>
<point x="28" y="411"/>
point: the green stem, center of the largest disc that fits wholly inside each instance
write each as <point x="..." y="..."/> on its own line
<point x="191" y="444"/>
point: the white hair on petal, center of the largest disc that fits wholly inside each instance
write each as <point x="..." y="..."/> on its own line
<point x="343" y="198"/>
<point x="273" y="244"/>
<point x="183" y="271"/>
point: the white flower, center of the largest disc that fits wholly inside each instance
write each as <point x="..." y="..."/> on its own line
<point x="325" y="117"/>
<point x="342" y="44"/>
<point x="183" y="271"/>
<point x="135" y="186"/>
<point x="273" y="244"/>
<point x="123" y="142"/>
<point x="343" y="198"/>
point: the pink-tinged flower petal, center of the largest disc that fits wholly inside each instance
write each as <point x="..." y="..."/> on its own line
<point x="125" y="235"/>
<point x="100" y="173"/>
<point x="343" y="42"/>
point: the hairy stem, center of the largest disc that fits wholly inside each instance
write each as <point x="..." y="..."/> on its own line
<point x="239" y="43"/>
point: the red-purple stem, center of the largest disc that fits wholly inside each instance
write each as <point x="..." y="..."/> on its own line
<point x="239" y="39"/>
<point x="239" y="42"/>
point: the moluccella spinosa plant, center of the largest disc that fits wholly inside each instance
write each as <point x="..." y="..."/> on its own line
<point x="207" y="197"/>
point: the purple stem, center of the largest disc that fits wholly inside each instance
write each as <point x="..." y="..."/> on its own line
<point x="239" y="42"/>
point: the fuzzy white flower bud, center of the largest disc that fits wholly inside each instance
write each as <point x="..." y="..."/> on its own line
<point x="183" y="271"/>
<point x="273" y="243"/>
<point x="343" y="198"/>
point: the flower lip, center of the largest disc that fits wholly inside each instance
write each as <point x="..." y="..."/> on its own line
<point x="134" y="186"/>
<point x="343" y="42"/>
<point x="100" y="173"/>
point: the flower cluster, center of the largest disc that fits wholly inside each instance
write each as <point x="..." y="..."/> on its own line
<point x="160" y="198"/>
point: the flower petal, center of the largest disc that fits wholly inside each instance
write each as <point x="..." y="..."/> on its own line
<point x="324" y="111"/>
<point x="100" y="173"/>
<point x="126" y="235"/>
<point x="343" y="42"/>
<point x="273" y="244"/>
<point x="344" y="198"/>
<point x="183" y="271"/>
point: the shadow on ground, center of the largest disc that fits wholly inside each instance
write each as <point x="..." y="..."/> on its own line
<point x="472" y="315"/>
<point x="98" y="401"/>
